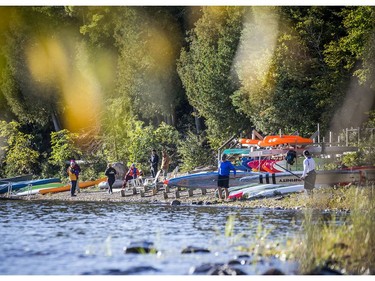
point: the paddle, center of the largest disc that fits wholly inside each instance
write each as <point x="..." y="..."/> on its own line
<point x="289" y="171"/>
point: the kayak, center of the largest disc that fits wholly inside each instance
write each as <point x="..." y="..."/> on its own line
<point x="328" y="178"/>
<point x="264" y="190"/>
<point x="267" y="165"/>
<point x="239" y="192"/>
<point x="274" y="192"/>
<point x="34" y="189"/>
<point x="84" y="184"/>
<point x="205" y="180"/>
<point x="284" y="139"/>
<point x="21" y="184"/>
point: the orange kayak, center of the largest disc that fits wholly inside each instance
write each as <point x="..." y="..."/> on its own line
<point x="83" y="184"/>
<point x="249" y="141"/>
<point x="284" y="139"/>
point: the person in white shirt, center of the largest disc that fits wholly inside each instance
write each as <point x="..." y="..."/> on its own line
<point x="309" y="174"/>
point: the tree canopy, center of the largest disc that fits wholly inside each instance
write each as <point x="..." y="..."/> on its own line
<point x="126" y="79"/>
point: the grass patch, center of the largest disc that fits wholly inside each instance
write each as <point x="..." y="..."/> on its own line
<point x="348" y="246"/>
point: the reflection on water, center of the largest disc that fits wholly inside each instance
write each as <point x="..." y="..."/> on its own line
<point x="89" y="237"/>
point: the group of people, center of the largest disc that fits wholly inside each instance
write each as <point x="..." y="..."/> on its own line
<point x="225" y="166"/>
<point x="134" y="172"/>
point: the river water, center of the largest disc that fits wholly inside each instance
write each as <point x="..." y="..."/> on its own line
<point x="88" y="238"/>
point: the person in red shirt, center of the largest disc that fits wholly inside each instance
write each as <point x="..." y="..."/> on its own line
<point x="133" y="173"/>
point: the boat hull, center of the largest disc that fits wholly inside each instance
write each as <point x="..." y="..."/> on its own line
<point x="333" y="177"/>
<point x="206" y="180"/>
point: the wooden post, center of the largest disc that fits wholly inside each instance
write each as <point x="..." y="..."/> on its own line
<point x="122" y="192"/>
<point x="165" y="195"/>
<point x="177" y="193"/>
<point x="167" y="188"/>
<point x="204" y="191"/>
<point x="142" y="193"/>
<point x="154" y="190"/>
<point x="134" y="191"/>
<point x="346" y="137"/>
<point x="190" y="192"/>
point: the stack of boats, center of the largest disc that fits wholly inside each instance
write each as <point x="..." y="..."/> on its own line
<point x="39" y="186"/>
<point x="268" y="175"/>
<point x="262" y="184"/>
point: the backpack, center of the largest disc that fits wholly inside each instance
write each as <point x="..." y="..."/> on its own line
<point x="290" y="157"/>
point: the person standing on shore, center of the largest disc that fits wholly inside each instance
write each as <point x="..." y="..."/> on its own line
<point x="77" y="171"/>
<point x="154" y="161"/>
<point x="225" y="167"/>
<point x="72" y="173"/>
<point x="309" y="174"/>
<point x="165" y="163"/>
<point x="110" y="172"/>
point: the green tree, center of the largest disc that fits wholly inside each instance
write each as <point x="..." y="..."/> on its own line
<point x="194" y="151"/>
<point x="17" y="154"/>
<point x="145" y="138"/>
<point x="205" y="69"/>
<point x="353" y="54"/>
<point x="31" y="97"/>
<point x="64" y="148"/>
<point x="147" y="41"/>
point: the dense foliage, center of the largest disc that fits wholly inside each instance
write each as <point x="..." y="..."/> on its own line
<point x="122" y="80"/>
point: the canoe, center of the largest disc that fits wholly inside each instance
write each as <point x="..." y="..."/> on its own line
<point x="84" y="184"/>
<point x="21" y="184"/>
<point x="206" y="180"/>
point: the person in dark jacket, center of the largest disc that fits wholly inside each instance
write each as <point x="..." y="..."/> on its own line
<point x="154" y="161"/>
<point x="110" y="172"/>
<point x="225" y="167"/>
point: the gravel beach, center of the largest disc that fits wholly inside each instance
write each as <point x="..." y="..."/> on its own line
<point x="167" y="197"/>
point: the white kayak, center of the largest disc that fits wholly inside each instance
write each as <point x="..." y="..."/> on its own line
<point x="239" y="193"/>
<point x="274" y="192"/>
<point x="104" y="184"/>
<point x="265" y="190"/>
